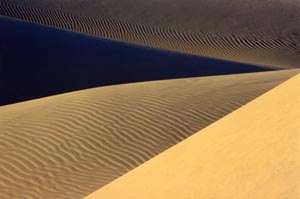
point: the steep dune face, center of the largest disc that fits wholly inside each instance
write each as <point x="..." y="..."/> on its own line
<point x="69" y="145"/>
<point x="42" y="61"/>
<point x="251" y="153"/>
<point x="262" y="32"/>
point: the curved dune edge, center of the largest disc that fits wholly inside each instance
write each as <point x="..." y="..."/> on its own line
<point x="231" y="38"/>
<point x="67" y="146"/>
<point x="252" y="153"/>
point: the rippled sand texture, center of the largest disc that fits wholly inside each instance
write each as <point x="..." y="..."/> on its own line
<point x="251" y="153"/>
<point x="261" y="32"/>
<point x="69" y="145"/>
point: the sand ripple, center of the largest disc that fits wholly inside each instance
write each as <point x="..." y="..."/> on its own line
<point x="269" y="47"/>
<point x="52" y="147"/>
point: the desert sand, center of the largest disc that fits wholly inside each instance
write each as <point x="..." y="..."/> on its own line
<point x="252" y="153"/>
<point x="149" y="99"/>
<point x="256" y="31"/>
<point x="69" y="145"/>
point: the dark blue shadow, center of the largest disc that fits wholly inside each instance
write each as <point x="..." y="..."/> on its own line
<point x="38" y="61"/>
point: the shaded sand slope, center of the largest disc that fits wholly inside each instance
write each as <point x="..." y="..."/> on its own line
<point x="69" y="145"/>
<point x="262" y="32"/>
<point x="49" y="61"/>
<point x="251" y="153"/>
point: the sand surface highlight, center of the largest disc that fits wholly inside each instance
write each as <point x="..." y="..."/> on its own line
<point x="69" y="145"/>
<point x="252" y="153"/>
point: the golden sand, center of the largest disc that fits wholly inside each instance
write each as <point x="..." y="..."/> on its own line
<point x="252" y="153"/>
<point x="69" y="145"/>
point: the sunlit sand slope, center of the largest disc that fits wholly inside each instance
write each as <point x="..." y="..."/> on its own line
<point x="251" y="153"/>
<point x="263" y="32"/>
<point x="69" y="145"/>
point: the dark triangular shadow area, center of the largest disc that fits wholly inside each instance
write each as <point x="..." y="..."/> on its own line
<point x="38" y="61"/>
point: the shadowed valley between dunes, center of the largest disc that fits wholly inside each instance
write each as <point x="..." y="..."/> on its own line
<point x="40" y="61"/>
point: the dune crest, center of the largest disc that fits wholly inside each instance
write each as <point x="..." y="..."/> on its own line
<point x="252" y="153"/>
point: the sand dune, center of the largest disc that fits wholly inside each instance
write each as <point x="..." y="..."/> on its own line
<point x="251" y="153"/>
<point x="261" y="32"/>
<point x="43" y="61"/>
<point x="69" y="145"/>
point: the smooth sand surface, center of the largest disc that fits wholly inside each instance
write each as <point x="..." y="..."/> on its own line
<point x="252" y="153"/>
<point x="253" y="31"/>
<point x="69" y="145"/>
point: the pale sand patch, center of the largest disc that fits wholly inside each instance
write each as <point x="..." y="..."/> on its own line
<point x="252" y="153"/>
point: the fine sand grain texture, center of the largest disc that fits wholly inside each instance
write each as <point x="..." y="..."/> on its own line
<point x="69" y="145"/>
<point x="253" y="31"/>
<point x="251" y="153"/>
